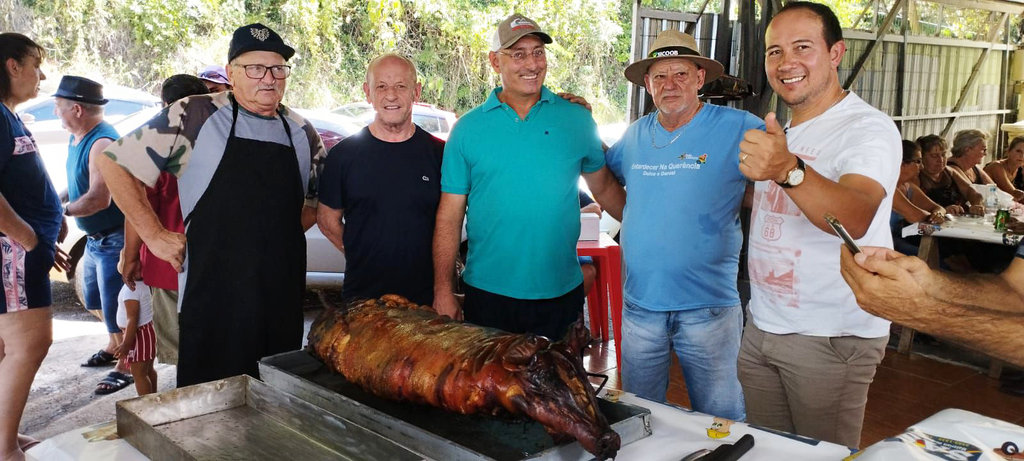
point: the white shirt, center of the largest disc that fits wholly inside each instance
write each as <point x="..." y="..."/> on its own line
<point x="795" y="282"/>
<point x="141" y="294"/>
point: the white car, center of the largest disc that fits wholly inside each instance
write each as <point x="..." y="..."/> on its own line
<point x="46" y="128"/>
<point x="433" y="120"/>
<point x="325" y="265"/>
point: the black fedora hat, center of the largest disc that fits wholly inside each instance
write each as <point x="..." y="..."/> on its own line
<point x="80" y="89"/>
<point x="257" y="37"/>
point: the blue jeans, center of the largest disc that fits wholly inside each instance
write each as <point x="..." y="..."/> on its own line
<point x="101" y="280"/>
<point x="707" y="342"/>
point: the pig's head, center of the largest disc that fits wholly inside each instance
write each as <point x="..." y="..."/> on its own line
<point x="556" y="393"/>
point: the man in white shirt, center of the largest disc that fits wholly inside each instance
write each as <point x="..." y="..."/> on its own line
<point x="809" y="352"/>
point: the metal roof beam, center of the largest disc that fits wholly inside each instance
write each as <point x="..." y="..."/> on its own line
<point x="1005" y="6"/>
<point x="992" y="35"/>
<point x="873" y="46"/>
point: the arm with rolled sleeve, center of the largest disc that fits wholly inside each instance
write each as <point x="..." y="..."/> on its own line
<point x="138" y="158"/>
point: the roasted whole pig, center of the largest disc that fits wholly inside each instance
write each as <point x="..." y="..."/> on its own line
<point x="400" y="351"/>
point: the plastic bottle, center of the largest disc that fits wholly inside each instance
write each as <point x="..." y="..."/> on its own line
<point x="991" y="198"/>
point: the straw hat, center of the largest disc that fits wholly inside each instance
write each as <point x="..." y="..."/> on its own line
<point x="674" y="44"/>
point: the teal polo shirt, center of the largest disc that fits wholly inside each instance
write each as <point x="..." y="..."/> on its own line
<point x="521" y="177"/>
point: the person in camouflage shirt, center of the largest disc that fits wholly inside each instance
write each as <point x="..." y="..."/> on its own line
<point x="246" y="171"/>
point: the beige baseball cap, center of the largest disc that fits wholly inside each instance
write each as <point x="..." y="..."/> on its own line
<point x="514" y="28"/>
<point x="674" y="44"/>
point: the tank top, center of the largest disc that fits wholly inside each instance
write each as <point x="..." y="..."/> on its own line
<point x="944" y="191"/>
<point x="78" y="180"/>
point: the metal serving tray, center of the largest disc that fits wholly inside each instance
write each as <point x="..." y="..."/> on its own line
<point x="432" y="432"/>
<point x="241" y="418"/>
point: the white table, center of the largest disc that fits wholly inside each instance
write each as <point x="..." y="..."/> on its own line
<point x="963" y="227"/>
<point x="676" y="433"/>
<point x="949" y="435"/>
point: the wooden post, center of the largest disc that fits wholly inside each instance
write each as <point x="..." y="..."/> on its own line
<point x="691" y="26"/>
<point x="873" y="46"/>
<point x="636" y="47"/>
<point x="992" y="34"/>
<point x="860" y="17"/>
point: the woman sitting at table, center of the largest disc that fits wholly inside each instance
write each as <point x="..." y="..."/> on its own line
<point x="1008" y="173"/>
<point x="941" y="184"/>
<point x="969" y="149"/>
<point x="910" y="204"/>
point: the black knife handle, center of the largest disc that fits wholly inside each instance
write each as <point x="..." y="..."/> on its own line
<point x="731" y="452"/>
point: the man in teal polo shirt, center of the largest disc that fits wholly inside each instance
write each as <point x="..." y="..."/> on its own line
<point x="515" y="161"/>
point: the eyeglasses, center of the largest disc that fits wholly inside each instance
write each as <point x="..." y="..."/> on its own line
<point x="258" y="71"/>
<point x="520" y="56"/>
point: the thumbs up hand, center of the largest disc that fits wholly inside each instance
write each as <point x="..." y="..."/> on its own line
<point x="765" y="154"/>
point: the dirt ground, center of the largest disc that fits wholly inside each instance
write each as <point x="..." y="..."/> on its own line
<point x="62" y="396"/>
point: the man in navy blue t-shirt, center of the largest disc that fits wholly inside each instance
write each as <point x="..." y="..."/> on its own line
<point x="385" y="182"/>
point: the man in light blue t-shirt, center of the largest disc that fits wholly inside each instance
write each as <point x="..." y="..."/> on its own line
<point x="681" y="233"/>
<point x="514" y="161"/>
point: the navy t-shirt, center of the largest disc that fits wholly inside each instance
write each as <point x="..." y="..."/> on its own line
<point x="24" y="181"/>
<point x="389" y="193"/>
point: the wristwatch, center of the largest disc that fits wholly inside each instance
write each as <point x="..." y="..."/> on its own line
<point x="795" y="176"/>
<point x="66" y="209"/>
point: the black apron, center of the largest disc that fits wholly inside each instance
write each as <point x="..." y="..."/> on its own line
<point x="246" y="262"/>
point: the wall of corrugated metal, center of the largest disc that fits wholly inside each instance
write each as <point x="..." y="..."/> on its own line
<point x="933" y="79"/>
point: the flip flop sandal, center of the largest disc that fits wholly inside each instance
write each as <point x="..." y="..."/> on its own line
<point x="114" y="381"/>
<point x="100" y="359"/>
<point x="26" y="443"/>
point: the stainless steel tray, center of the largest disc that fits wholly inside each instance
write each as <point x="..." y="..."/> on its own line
<point x="242" y="418"/>
<point x="433" y="432"/>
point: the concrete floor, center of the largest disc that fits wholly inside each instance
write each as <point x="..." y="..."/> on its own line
<point x="62" y="396"/>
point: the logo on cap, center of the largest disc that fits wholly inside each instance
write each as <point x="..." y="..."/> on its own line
<point x="260" y="34"/>
<point x="660" y="54"/>
<point x="519" y="23"/>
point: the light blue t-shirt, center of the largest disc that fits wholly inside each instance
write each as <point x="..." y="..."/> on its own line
<point x="681" y="234"/>
<point x="520" y="177"/>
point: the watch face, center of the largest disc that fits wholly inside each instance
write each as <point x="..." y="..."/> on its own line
<point x="795" y="177"/>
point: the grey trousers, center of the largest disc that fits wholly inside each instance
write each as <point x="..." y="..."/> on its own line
<point x="812" y="386"/>
<point x="165" y="321"/>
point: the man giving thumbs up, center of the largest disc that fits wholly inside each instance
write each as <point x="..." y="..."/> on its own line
<point x="810" y="352"/>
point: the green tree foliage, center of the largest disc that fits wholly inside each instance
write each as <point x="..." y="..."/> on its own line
<point x="138" y="43"/>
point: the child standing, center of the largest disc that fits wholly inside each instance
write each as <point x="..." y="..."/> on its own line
<point x="135" y="318"/>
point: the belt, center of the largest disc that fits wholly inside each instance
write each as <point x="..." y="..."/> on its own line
<point x="104" y="233"/>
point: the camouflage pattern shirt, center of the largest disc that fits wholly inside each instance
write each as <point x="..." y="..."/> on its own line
<point x="187" y="139"/>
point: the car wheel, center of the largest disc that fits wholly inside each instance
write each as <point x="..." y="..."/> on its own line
<point x="79" y="283"/>
<point x="1010" y="448"/>
<point x="75" y="276"/>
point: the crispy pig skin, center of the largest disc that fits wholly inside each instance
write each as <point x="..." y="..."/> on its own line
<point x="398" y="350"/>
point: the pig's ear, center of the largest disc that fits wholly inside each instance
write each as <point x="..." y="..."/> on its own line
<point x="577" y="338"/>
<point x="521" y="352"/>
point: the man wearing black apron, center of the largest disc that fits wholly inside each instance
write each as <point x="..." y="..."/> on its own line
<point x="246" y="174"/>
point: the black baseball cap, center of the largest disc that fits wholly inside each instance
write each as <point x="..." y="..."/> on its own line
<point x="80" y="89"/>
<point x="257" y="37"/>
